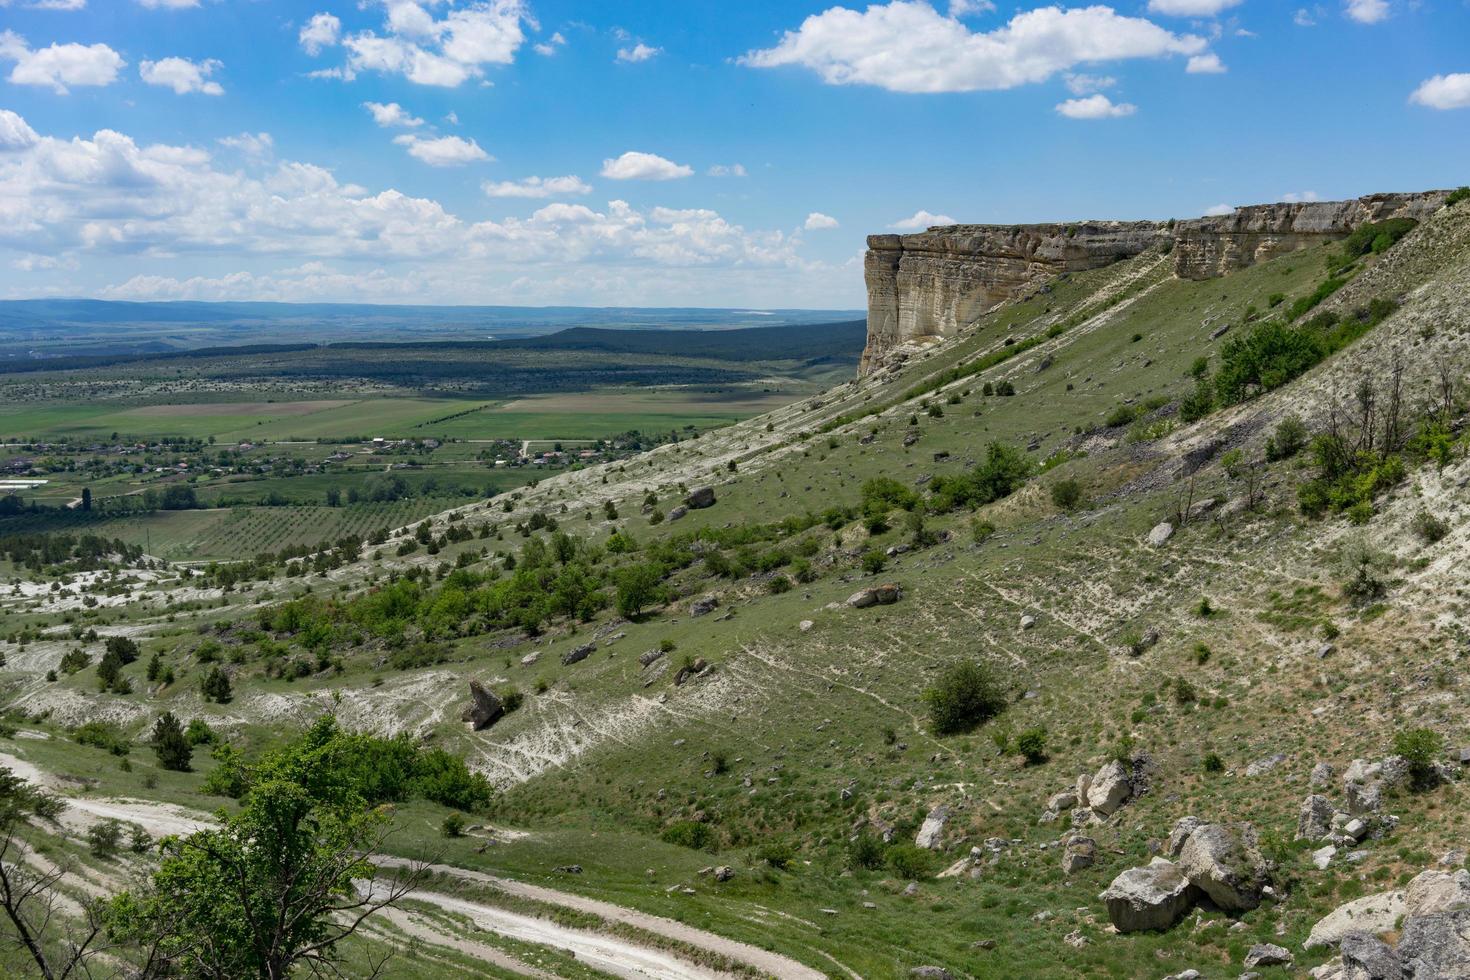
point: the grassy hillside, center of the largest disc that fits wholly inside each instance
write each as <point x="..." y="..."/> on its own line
<point x="1006" y="482"/>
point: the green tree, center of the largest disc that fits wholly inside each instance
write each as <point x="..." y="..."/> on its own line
<point x="170" y="743"/>
<point x="639" y="586"/>
<point x="216" y="686"/>
<point x="963" y="697"/>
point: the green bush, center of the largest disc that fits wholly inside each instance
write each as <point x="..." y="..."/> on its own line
<point x="1289" y="439"/>
<point x="776" y="854"/>
<point x="1456" y="196"/>
<point x="453" y="825"/>
<point x="1122" y="415"/>
<point x="1213" y="763"/>
<point x="691" y="834"/>
<point x="999" y="475"/>
<point x="104" y="839"/>
<point x="102" y="735"/>
<point x="965" y="695"/>
<point x="910" y="861"/>
<point x="170" y="743"/>
<point x="1430" y="528"/>
<point x="865" y="852"/>
<point x="1199" y="402"/>
<point x="1066" y="494"/>
<point x="873" y="561"/>
<point x="1421" y="749"/>
<point x="1032" y="745"/>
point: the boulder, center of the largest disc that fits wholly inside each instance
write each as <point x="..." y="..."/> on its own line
<point x="1078" y="853"/>
<point x="485" y="708"/>
<point x="700" y="497"/>
<point x="1267" y="954"/>
<point x="1322" y="857"/>
<point x="878" y="595"/>
<point x="1225" y="862"/>
<point x="1183" y="827"/>
<point x="1161" y="534"/>
<point x="1110" y="788"/>
<point x="578" y="654"/>
<point x="530" y="658"/>
<point x="1064" y="800"/>
<point x="1028" y="622"/>
<point x="649" y="657"/>
<point x="1366" y="957"/>
<point x="692" y="670"/>
<point x="1435" y="892"/>
<point x="678" y="513"/>
<point x="933" y="828"/>
<point x="1322" y="774"/>
<point x="704" y="605"/>
<point x="1151" y="897"/>
<point x="724" y="873"/>
<point x="1436" y="946"/>
<point x="1370" y="914"/>
<point x="1314" y="820"/>
<point x="930" y="973"/>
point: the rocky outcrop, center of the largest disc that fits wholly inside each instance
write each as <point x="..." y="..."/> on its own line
<point x="935" y="283"/>
<point x="485" y="708"/>
<point x="1151" y="897"/>
<point x="1205" y="248"/>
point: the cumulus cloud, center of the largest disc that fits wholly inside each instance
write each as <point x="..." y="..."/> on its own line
<point x="1366" y="11"/>
<point x="1219" y="211"/>
<point x="1205" y="64"/>
<point x="1096" y="107"/>
<point x="167" y="4"/>
<point x="922" y="220"/>
<point x="817" y="221"/>
<point x="548" y="47"/>
<point x="322" y="31"/>
<point x="1083" y="84"/>
<point x="1305" y="18"/>
<point x="182" y="75"/>
<point x="60" y="65"/>
<point x="392" y="114"/>
<point x="15" y="132"/>
<point x="634" y="165"/>
<point x="250" y="144"/>
<point x="638" y="52"/>
<point x="731" y="170"/>
<point x="537" y="187"/>
<point x="1190" y="8"/>
<point x="968" y="8"/>
<point x="1444" y="92"/>
<point x="56" y="4"/>
<point x="908" y="46"/>
<point x="445" y="52"/>
<point x="1300" y="197"/>
<point x="444" y="151"/>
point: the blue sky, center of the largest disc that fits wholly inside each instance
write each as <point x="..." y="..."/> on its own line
<point x="670" y="153"/>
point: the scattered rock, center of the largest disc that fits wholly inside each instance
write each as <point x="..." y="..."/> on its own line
<point x="933" y="828"/>
<point x="1109" y="789"/>
<point x="649" y="657"/>
<point x="1183" y="827"/>
<point x="1367" y="956"/>
<point x="530" y="658"/>
<point x="678" y="513"/>
<point x="1078" y="853"/>
<point x="485" y="708"/>
<point x="1314" y="820"/>
<point x="693" y="670"/>
<point x="578" y="654"/>
<point x="700" y="497"/>
<point x="805" y="625"/>
<point x="1267" y="954"/>
<point x="1322" y="774"/>
<point x="1075" y="939"/>
<point x="1225" y="862"/>
<point x="1436" y="892"/>
<point x="1262" y="766"/>
<point x="1322" y="857"/>
<point x="931" y="973"/>
<point x="724" y="873"/>
<point x="878" y="595"/>
<point x="1151" y="897"/>
<point x="569" y="869"/>
<point x="1028" y="622"/>
<point x="704" y="605"/>
<point x="1160" y="535"/>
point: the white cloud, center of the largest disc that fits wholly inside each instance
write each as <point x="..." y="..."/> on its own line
<point x="392" y="114"/>
<point x="732" y="170"/>
<point x="1444" y="92"/>
<point x="1082" y="84"/>
<point x="182" y="75"/>
<point x="922" y="220"/>
<point x="168" y="4"/>
<point x="56" y="4"/>
<point x="1096" y="107"/>
<point x="426" y="51"/>
<point x="817" y="221"/>
<point x="322" y="31"/>
<point x="548" y="47"/>
<point x="15" y="132"/>
<point x="1303" y="197"/>
<point x="967" y="8"/>
<point x="907" y="46"/>
<point x="638" y="52"/>
<point x="634" y="165"/>
<point x="1219" y="211"/>
<point x="1190" y="8"/>
<point x="250" y="144"/>
<point x="60" y="65"/>
<point x="1366" y="11"/>
<point x="1205" y="64"/>
<point x="445" y="151"/>
<point x="537" y="187"/>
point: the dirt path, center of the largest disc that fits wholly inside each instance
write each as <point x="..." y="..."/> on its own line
<point x="616" y="956"/>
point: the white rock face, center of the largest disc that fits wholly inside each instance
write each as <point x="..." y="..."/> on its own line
<point x="1434" y="892"/>
<point x="1371" y="914"/>
<point x="932" y="829"/>
<point x="1160" y="535"/>
<point x="1152" y="897"/>
<point x="1110" y="788"/>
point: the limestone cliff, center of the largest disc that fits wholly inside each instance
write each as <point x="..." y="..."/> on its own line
<point x="935" y="283"/>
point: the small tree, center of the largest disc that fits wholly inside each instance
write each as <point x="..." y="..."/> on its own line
<point x="963" y="697"/>
<point x="639" y="586"/>
<point x="216" y="686"/>
<point x="1066" y="494"/>
<point x="1032" y="745"/>
<point x="1420" y="748"/>
<point x="170" y="743"/>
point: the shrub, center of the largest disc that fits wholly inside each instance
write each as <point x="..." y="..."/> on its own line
<point x="865" y="852"/>
<point x="1430" y="528"/>
<point x="1066" y="494"/>
<point x="102" y="735"/>
<point x="1421" y="748"/>
<point x="1456" y="196"/>
<point x="170" y="743"/>
<point x="776" y="854"/>
<point x="74" y="661"/>
<point x="511" y="698"/>
<point x="453" y="825"/>
<point x="215" y="686"/>
<point x="909" y="861"/>
<point x="1289" y="439"/>
<point x="873" y="561"/>
<point x="1122" y="415"/>
<point x="981" y="531"/>
<point x="965" y="695"/>
<point x="1199" y="402"/>
<point x="199" y="732"/>
<point x="691" y="834"/>
<point x="104" y="838"/>
<point x="1213" y="763"/>
<point x="779" y="585"/>
<point x="1032" y="745"/>
<point x="999" y="475"/>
